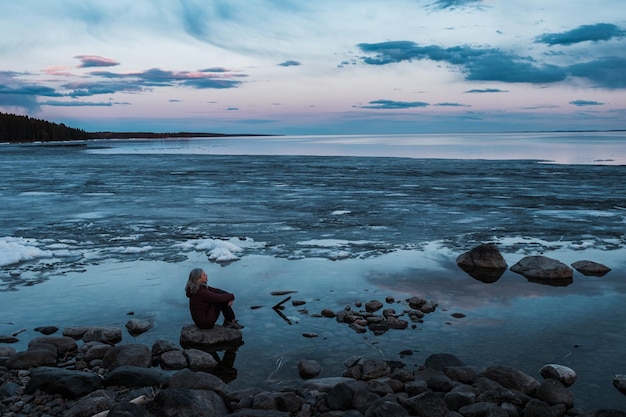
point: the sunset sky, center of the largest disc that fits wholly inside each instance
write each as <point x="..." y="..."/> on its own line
<point x="316" y="67"/>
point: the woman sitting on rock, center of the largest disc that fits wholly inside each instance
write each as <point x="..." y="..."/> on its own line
<point x="206" y="303"/>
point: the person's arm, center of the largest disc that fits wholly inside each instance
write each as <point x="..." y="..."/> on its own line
<point x="206" y="295"/>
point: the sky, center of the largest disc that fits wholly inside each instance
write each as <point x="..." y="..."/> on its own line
<point x="316" y="67"/>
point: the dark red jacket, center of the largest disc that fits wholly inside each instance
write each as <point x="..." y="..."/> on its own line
<point x="204" y="305"/>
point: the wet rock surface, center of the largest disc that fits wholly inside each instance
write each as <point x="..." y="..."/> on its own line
<point x="134" y="381"/>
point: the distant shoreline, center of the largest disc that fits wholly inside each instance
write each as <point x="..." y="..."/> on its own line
<point x="165" y="135"/>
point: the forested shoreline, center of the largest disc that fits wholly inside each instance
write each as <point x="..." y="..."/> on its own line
<point x="24" y="129"/>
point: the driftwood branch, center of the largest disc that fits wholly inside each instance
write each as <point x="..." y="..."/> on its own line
<point x="277" y="307"/>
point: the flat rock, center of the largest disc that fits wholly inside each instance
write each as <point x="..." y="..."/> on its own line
<point x="544" y="270"/>
<point x="591" y="268"/>
<point x="217" y="338"/>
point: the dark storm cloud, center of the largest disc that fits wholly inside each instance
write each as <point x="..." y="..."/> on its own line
<point x="390" y="104"/>
<point x="585" y="33"/>
<point x="88" y="61"/>
<point x="582" y="103"/>
<point x="606" y="72"/>
<point x="289" y="63"/>
<point x="478" y="64"/>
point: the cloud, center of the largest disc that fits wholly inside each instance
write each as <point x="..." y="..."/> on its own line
<point x="478" y="64"/>
<point x="606" y="72"/>
<point x="454" y="4"/>
<point x="582" y="103"/>
<point x="584" y="33"/>
<point x="89" y="61"/>
<point x="158" y="77"/>
<point x="78" y="103"/>
<point x="390" y="104"/>
<point x="486" y="90"/>
<point x="289" y="63"/>
<point x="452" y="105"/>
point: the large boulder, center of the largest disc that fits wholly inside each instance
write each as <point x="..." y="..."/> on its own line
<point x="136" y="376"/>
<point x="484" y="263"/>
<point x="31" y="358"/>
<point x="127" y="355"/>
<point x="183" y="402"/>
<point x="544" y="270"/>
<point x="64" y="345"/>
<point x="65" y="382"/>
<point x="210" y="340"/>
<point x="511" y="378"/>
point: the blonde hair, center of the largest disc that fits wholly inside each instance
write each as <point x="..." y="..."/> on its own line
<point x="193" y="283"/>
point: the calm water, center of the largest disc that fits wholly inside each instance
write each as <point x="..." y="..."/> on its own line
<point x="90" y="233"/>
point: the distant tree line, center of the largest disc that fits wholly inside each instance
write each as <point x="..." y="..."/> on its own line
<point x="15" y="128"/>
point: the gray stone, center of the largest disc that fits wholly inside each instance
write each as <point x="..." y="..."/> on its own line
<point x="200" y="360"/>
<point x="464" y="374"/>
<point x="7" y="351"/>
<point x="590" y="268"/>
<point x="512" y="378"/>
<point x="375" y="368"/>
<point x="128" y="409"/>
<point x="455" y="400"/>
<point x="500" y="394"/>
<point x="324" y="384"/>
<point x="387" y="408"/>
<point x="64" y="345"/>
<point x="31" y="358"/>
<point x="538" y="408"/>
<point x="478" y="409"/>
<point x="308" y="369"/>
<point x="160" y="346"/>
<point x="553" y="392"/>
<point x="183" y="402"/>
<point x="109" y="335"/>
<point x="484" y="263"/>
<point x="94" y="403"/>
<point x="566" y="375"/>
<point x="65" y="382"/>
<point x="136" y="376"/>
<point x="426" y="404"/>
<point x="47" y="330"/>
<point x="373" y="305"/>
<point x="441" y="361"/>
<point x="97" y="352"/>
<point x="130" y="355"/>
<point x="217" y="338"/>
<point x="189" y="379"/>
<point x="173" y="360"/>
<point x="544" y="270"/>
<point x="619" y="382"/>
<point x="136" y="326"/>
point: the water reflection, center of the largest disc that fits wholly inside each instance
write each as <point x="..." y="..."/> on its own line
<point x="225" y="368"/>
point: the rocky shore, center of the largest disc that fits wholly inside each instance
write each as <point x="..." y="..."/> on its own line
<point x="87" y="372"/>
